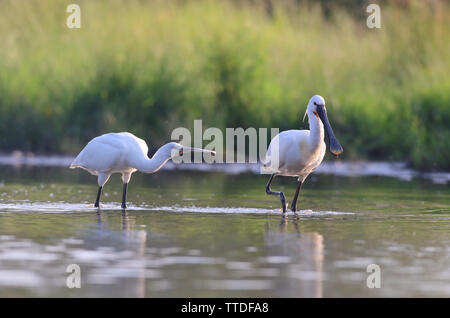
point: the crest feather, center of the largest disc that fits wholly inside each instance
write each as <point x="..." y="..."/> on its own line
<point x="304" y="116"/>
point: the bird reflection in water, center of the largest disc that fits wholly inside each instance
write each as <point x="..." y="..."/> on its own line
<point x="301" y="257"/>
<point x="134" y="273"/>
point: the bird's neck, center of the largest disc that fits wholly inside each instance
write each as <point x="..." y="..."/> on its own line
<point x="316" y="132"/>
<point x="151" y="165"/>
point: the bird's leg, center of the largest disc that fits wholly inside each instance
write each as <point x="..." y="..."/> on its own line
<point x="99" y="193"/>
<point x="281" y="194"/>
<point x="124" y="219"/>
<point x="124" y="196"/>
<point x="294" y="202"/>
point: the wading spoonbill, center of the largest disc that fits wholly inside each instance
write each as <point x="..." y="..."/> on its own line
<point x="124" y="153"/>
<point x="297" y="153"/>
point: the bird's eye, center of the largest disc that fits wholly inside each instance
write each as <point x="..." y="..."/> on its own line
<point x="315" y="104"/>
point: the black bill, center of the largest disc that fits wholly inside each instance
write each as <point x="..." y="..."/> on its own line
<point x="335" y="146"/>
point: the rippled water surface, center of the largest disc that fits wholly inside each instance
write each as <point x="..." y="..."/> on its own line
<point x="206" y="234"/>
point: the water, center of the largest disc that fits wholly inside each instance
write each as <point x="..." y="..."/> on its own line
<point x="216" y="234"/>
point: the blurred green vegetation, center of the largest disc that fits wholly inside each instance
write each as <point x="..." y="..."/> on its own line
<point x="149" y="67"/>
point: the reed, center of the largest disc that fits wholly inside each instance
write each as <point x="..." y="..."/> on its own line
<point x="148" y="67"/>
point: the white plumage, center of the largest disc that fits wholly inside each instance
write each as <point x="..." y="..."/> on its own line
<point x="297" y="157"/>
<point x="297" y="153"/>
<point x="124" y="153"/>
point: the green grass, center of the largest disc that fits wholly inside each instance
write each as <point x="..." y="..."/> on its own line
<point x="149" y="67"/>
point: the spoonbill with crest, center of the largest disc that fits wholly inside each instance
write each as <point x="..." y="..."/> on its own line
<point x="124" y="153"/>
<point x="297" y="153"/>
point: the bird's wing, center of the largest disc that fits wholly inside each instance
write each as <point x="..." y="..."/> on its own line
<point x="134" y="143"/>
<point x="287" y="145"/>
<point x="100" y="154"/>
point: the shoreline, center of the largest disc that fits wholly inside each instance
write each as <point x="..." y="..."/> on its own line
<point x="398" y="170"/>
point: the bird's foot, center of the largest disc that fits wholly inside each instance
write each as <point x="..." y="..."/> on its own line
<point x="124" y="206"/>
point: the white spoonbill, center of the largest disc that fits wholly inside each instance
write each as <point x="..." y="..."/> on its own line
<point x="300" y="152"/>
<point x="124" y="153"/>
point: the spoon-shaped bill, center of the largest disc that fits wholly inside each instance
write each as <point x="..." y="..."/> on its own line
<point x="191" y="149"/>
<point x="335" y="146"/>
